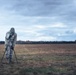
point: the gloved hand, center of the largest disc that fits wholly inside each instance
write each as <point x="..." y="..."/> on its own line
<point x="12" y="47"/>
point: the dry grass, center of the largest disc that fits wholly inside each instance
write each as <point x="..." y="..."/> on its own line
<point x="44" y="59"/>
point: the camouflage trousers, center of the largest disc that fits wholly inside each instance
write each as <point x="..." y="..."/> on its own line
<point x="9" y="53"/>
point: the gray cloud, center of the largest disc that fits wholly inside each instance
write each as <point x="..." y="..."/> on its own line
<point x="42" y="13"/>
<point x="65" y="10"/>
<point x="38" y="7"/>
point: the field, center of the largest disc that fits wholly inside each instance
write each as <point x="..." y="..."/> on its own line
<point x="41" y="59"/>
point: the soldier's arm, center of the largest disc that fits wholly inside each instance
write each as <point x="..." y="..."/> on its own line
<point x="6" y="38"/>
<point x="15" y="39"/>
<point x="6" y="41"/>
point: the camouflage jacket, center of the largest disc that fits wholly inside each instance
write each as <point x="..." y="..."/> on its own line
<point x="10" y="40"/>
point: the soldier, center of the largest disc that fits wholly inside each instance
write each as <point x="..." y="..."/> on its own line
<point x="10" y="41"/>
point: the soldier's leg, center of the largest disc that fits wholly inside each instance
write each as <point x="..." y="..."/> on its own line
<point x="10" y="56"/>
<point x="7" y="52"/>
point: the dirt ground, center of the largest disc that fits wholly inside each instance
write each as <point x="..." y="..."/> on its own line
<point x="40" y="59"/>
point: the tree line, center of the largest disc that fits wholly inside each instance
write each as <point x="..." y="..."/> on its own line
<point x="42" y="42"/>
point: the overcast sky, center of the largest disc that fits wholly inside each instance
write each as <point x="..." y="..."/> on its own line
<point x="39" y="20"/>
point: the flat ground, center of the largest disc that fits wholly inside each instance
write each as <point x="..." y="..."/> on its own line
<point x="41" y="59"/>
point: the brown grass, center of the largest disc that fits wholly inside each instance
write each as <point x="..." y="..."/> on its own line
<point x="45" y="59"/>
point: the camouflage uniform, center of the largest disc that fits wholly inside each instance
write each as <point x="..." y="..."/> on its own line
<point x="10" y="41"/>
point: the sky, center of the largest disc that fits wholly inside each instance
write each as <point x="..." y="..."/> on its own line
<point x="39" y="20"/>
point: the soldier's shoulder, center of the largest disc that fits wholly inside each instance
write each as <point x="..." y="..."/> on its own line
<point x="8" y="33"/>
<point x="15" y="34"/>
